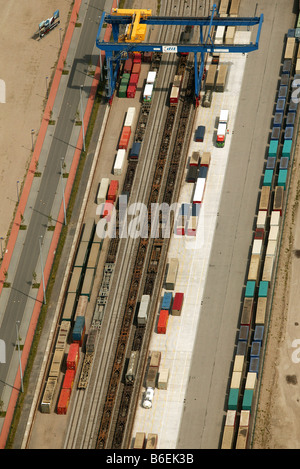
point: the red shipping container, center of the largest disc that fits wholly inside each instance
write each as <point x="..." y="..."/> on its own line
<point x="162" y="321"/>
<point x="73" y="357"/>
<point x="107" y="210"/>
<point x="125" y="136"/>
<point x="63" y="401"/>
<point x="128" y="66"/>
<point x="177" y="304"/>
<point x="259" y="233"/>
<point x="137" y="57"/>
<point x="136" y="69"/>
<point x="147" y="56"/>
<point x="131" y="90"/>
<point x="134" y="78"/>
<point x="113" y="190"/>
<point x="69" y="379"/>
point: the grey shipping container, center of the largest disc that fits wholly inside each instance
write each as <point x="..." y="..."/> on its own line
<point x="271" y="161"/>
<point x="75" y="280"/>
<point x="88" y="282"/>
<point x="211" y="77"/>
<point x="88" y="230"/>
<point x="82" y="254"/>
<point x="132" y="367"/>
<point x="284" y="162"/>
<point x="69" y="307"/>
<point x="143" y="310"/>
<point x="192" y="174"/>
<point x="151" y="377"/>
<point x="275" y="133"/>
<point x="93" y="256"/>
<point x="155" y="359"/>
<point x="221" y="78"/>
<point x="278" y="119"/>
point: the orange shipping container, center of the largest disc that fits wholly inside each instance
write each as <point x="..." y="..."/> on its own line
<point x="73" y="357"/>
<point x="125" y="136"/>
<point x="113" y="190"/>
<point x="63" y="401"/>
<point x="69" y="379"/>
<point x="162" y="321"/>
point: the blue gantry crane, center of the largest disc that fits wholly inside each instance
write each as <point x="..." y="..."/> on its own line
<point x="136" y="22"/>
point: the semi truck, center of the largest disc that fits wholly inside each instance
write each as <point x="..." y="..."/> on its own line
<point x="47" y="25"/>
<point x="222" y="128"/>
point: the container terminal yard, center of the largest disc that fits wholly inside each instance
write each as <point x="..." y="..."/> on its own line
<point x="160" y="342"/>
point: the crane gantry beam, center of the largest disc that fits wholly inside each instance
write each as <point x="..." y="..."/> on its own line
<point x="133" y="39"/>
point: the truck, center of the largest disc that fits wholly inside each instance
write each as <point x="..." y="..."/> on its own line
<point x="47" y="25"/>
<point x="148" y="398"/>
<point x="222" y="128"/>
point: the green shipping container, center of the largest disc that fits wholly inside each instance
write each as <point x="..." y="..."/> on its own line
<point x="233" y="399"/>
<point x="250" y="289"/>
<point x="122" y="92"/>
<point x="273" y="148"/>
<point x="263" y="289"/>
<point x="287" y="148"/>
<point x="268" y="177"/>
<point x="282" y="177"/>
<point x="247" y="399"/>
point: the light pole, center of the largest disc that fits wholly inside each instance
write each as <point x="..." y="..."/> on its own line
<point x="42" y="267"/>
<point x="32" y="133"/>
<point x="81" y="86"/>
<point x="18" y="341"/>
<point x="62" y="188"/>
<point x="18" y="191"/>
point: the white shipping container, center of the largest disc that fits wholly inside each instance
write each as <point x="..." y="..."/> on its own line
<point x="230" y="33"/>
<point x="148" y="91"/>
<point x="220" y="33"/>
<point x="199" y="191"/>
<point x="257" y="247"/>
<point x="261" y="219"/>
<point x="238" y="363"/>
<point x="274" y="231"/>
<point x="129" y="120"/>
<point x="268" y="269"/>
<point x="236" y="378"/>
<point x="244" y="418"/>
<point x="163" y="378"/>
<point x="250" y="380"/>
<point x="224" y="116"/>
<point x="275" y="218"/>
<point x="151" y="77"/>
<point x="119" y="162"/>
<point x="102" y="192"/>
<point x="143" y="309"/>
<point x="230" y="418"/>
<point x="271" y="248"/>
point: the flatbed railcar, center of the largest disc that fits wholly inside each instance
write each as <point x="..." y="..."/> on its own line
<point x="186" y="36"/>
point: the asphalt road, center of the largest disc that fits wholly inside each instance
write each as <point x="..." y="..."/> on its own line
<point x="49" y="185"/>
<point x="213" y="355"/>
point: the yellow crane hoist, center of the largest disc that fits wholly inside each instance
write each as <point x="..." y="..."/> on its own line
<point x="135" y="32"/>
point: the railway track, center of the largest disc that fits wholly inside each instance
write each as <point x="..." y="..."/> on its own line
<point x="137" y="263"/>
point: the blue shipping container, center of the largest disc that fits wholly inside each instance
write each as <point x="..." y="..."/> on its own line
<point x="278" y="119"/>
<point x="167" y="301"/>
<point x="288" y="134"/>
<point x="268" y="177"/>
<point x="282" y="177"/>
<point x="254" y="365"/>
<point x="200" y="132"/>
<point x="135" y="150"/>
<point x="275" y="133"/>
<point x="287" y="147"/>
<point x="255" y="349"/>
<point x="273" y="147"/>
<point x="263" y="288"/>
<point x="250" y="288"/>
<point x="258" y="333"/>
<point x="203" y="172"/>
<point x="78" y="328"/>
<point x="284" y="162"/>
<point x="290" y="120"/>
<point x="280" y="105"/>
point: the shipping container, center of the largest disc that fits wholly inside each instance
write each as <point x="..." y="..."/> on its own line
<point x="137" y="57"/>
<point x="75" y="281"/>
<point x="275" y="218"/>
<point x="163" y="378"/>
<point x="247" y="312"/>
<point x="167" y="301"/>
<point x="234" y="7"/>
<point x="177" y="304"/>
<point x="275" y="135"/>
<point x="102" y="192"/>
<point x="131" y="91"/>
<point x="139" y="441"/>
<point x="261" y="219"/>
<point x="223" y="7"/>
<point x="119" y="162"/>
<point x="282" y="92"/>
<point x="251" y="379"/>
<point x="284" y="79"/>
<point x="147" y="56"/>
<point x="278" y="118"/>
<point x="290" y="48"/>
<point x="230" y="34"/>
<point x="290" y="120"/>
<point x="125" y="137"/>
<point x="128" y="65"/>
<point x="236" y="379"/>
<point x="284" y="163"/>
<point x="288" y="134"/>
<point x="242" y="438"/>
<point x="63" y="402"/>
<point x="113" y="190"/>
<point x="259" y="233"/>
<point x="73" y="357"/>
<point x="205" y="159"/>
<point x="271" y="248"/>
<point x="88" y="282"/>
<point x="211" y="77"/>
<point x="257" y="247"/>
<point x="271" y="163"/>
<point x="47" y="399"/>
<point x="69" y="307"/>
<point x="219" y="34"/>
<point x="151" y="377"/>
<point x="143" y="310"/>
<point x="199" y="191"/>
<point x="263" y="289"/>
<point x="274" y="232"/>
<point x="151" y="77"/>
<point x="56" y="363"/>
<point x="162" y="322"/>
<point x="93" y="259"/>
<point x="192" y="226"/>
<point x="273" y="148"/>
<point x="195" y="159"/>
<point x="172" y="274"/>
<point x="250" y="289"/>
<point x="254" y="365"/>
<point x="155" y="358"/>
<point x="147" y="94"/>
<point x="228" y="436"/>
<point x="130" y="117"/>
<point x="293" y="105"/>
<point x="258" y="333"/>
<point x="133" y="82"/>
<point x="239" y="363"/>
<point x="268" y="178"/>
<point x="282" y="178"/>
<point x="244" y="333"/>
<point x="151" y="441"/>
<point x="132" y="367"/>
<point x="136" y="69"/>
<point x="68" y="379"/>
<point x="278" y="199"/>
<point x="78" y="329"/>
<point x="82" y="254"/>
<point x="287" y="148"/>
<point x="63" y="334"/>
<point x="254" y="268"/>
<point x="287" y="66"/>
<point x="280" y="105"/>
<point x="268" y="269"/>
<point x="88" y="230"/>
<point x="233" y="398"/>
<point x="255" y="349"/>
<point x="200" y="133"/>
<point x="135" y="150"/>
<point x="221" y="78"/>
<point x="174" y="95"/>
